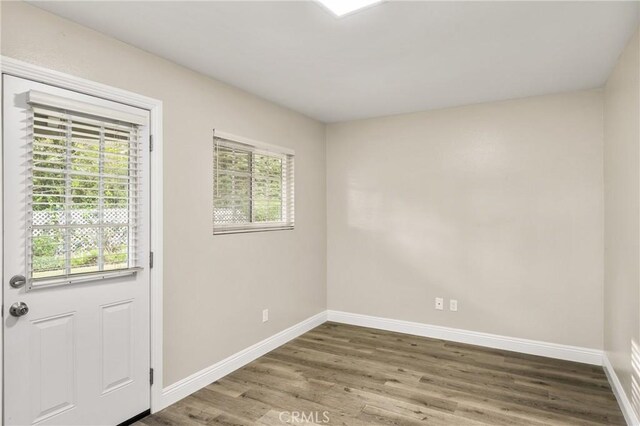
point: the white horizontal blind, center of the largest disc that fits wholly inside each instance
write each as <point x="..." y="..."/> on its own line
<point x="83" y="197"/>
<point x="253" y="188"/>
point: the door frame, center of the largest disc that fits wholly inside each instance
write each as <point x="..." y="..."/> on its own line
<point x="40" y="74"/>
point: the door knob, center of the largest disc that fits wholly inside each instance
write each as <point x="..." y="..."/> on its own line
<point x="19" y="309"/>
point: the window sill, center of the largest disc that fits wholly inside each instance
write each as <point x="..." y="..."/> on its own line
<point x="37" y="283"/>
<point x="246" y="229"/>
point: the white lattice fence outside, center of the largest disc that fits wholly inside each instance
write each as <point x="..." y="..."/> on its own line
<point x="115" y="230"/>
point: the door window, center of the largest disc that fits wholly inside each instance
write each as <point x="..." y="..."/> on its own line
<point x="83" y="195"/>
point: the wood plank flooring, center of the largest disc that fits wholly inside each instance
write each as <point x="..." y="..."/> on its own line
<point x="345" y="375"/>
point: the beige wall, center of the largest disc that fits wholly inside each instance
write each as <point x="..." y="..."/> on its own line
<point x="210" y="282"/>
<point x="499" y="206"/>
<point x="622" y="216"/>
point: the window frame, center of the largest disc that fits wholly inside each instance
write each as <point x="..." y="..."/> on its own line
<point x="254" y="147"/>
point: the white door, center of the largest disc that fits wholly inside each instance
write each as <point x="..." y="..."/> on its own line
<point x="76" y="213"/>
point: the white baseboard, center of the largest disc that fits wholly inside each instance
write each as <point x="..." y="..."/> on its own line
<point x="533" y="347"/>
<point x="624" y="402"/>
<point x="185" y="387"/>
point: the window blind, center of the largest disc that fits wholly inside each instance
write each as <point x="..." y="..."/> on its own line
<point x="253" y="188"/>
<point x="83" y="196"/>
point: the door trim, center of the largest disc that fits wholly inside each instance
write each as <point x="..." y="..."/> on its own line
<point x="40" y="74"/>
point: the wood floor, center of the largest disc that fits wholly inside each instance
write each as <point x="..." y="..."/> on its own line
<point x="344" y="375"/>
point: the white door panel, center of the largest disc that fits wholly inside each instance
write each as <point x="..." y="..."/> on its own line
<point x="117" y="345"/>
<point x="80" y="356"/>
<point x="53" y="365"/>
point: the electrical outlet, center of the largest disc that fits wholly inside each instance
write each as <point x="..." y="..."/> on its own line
<point x="453" y="305"/>
<point x="265" y="315"/>
<point x="439" y="303"/>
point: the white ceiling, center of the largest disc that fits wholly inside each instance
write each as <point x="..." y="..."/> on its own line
<point x="396" y="57"/>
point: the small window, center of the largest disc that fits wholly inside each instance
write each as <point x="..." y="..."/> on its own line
<point x="253" y="186"/>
